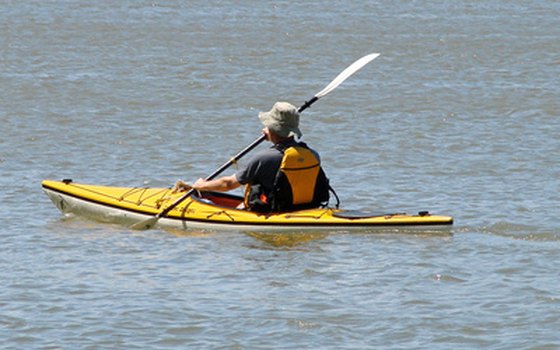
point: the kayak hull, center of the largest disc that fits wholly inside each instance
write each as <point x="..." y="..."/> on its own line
<point x="217" y="211"/>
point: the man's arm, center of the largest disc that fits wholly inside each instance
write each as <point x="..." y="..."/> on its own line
<point x="222" y="184"/>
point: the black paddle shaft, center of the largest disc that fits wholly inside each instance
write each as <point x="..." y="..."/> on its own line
<point x="354" y="67"/>
<point x="215" y="173"/>
<point x="255" y="143"/>
<point x="308" y="104"/>
<point x="233" y="160"/>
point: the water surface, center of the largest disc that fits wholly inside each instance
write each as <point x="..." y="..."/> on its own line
<point x="459" y="116"/>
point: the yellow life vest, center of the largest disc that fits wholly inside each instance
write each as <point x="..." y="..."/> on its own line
<point x="300" y="183"/>
<point x="301" y="168"/>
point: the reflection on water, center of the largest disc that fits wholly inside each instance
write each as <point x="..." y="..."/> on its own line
<point x="287" y="239"/>
<point x="189" y="233"/>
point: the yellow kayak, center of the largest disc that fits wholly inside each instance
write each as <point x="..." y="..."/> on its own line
<point x="216" y="211"/>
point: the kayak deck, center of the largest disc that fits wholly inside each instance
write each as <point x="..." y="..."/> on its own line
<point x="216" y="211"/>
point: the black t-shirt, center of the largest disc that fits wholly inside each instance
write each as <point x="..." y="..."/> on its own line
<point x="262" y="168"/>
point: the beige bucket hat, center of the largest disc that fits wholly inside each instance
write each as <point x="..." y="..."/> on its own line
<point x="282" y="119"/>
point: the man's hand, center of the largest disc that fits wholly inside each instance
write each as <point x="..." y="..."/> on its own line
<point x="181" y="186"/>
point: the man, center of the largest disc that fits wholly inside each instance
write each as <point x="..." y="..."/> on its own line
<point x="265" y="191"/>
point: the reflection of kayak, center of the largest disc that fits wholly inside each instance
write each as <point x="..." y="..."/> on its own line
<point x="130" y="205"/>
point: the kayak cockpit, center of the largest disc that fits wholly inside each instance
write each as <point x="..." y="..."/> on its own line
<point x="220" y="199"/>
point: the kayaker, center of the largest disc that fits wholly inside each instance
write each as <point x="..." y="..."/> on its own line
<point x="269" y="189"/>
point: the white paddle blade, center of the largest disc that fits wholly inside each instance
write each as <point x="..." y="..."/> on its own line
<point x="353" y="68"/>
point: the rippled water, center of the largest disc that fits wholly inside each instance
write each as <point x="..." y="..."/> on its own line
<point x="459" y="116"/>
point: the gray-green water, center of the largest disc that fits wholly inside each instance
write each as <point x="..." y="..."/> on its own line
<point x="459" y="116"/>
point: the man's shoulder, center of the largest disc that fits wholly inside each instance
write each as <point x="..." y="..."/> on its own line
<point x="268" y="154"/>
<point x="303" y="144"/>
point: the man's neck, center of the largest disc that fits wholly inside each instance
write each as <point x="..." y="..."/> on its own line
<point x="277" y="139"/>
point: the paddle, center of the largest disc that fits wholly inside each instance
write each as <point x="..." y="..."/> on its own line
<point x="353" y="68"/>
